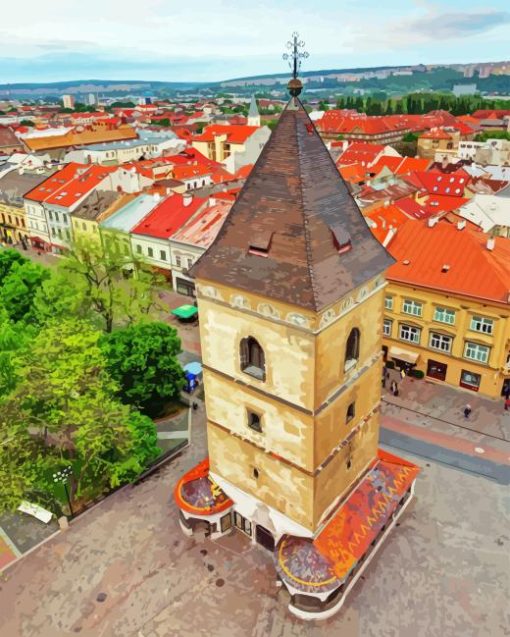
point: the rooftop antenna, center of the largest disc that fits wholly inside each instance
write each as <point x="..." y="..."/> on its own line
<point x="294" y="59"/>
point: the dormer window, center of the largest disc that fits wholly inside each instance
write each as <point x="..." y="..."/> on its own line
<point x="260" y="244"/>
<point x="341" y="239"/>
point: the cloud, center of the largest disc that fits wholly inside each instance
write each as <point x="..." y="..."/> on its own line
<point x="457" y="25"/>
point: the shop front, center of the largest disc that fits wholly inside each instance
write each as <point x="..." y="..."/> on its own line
<point x="436" y="370"/>
<point x="404" y="359"/>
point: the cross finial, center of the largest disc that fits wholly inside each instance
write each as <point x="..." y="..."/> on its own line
<point x="294" y="58"/>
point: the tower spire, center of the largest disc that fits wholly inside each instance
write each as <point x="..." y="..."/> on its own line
<point x="294" y="59"/>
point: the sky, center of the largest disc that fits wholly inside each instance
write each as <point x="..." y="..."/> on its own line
<point x="212" y="40"/>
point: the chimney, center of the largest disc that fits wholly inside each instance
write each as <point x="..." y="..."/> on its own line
<point x="187" y="199"/>
<point x="491" y="242"/>
<point x="461" y="225"/>
<point x="212" y="201"/>
<point x="431" y="221"/>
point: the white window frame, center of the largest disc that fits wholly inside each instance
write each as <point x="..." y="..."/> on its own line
<point x="414" y="308"/>
<point x="388" y="302"/>
<point x="444" y="314"/>
<point x="476" y="352"/>
<point x="387" y="327"/>
<point x="440" y="342"/>
<point x="412" y="330"/>
<point x="485" y="325"/>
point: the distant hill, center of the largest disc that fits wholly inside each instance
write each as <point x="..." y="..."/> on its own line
<point x="391" y="79"/>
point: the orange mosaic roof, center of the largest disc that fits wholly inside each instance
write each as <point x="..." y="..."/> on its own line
<point x="197" y="493"/>
<point x="322" y="564"/>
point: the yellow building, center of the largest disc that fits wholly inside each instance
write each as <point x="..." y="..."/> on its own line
<point x="234" y="145"/>
<point x="290" y="297"/>
<point x="438" y="142"/>
<point x="447" y="306"/>
<point x="13" y="221"/>
<point x="99" y="205"/>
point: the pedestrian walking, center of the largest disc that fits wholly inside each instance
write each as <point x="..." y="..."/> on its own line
<point x="507" y="404"/>
<point x="467" y="411"/>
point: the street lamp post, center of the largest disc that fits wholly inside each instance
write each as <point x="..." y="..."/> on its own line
<point x="63" y="476"/>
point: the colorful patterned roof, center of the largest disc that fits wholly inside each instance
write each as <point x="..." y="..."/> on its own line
<point x="323" y="564"/>
<point x="197" y="493"/>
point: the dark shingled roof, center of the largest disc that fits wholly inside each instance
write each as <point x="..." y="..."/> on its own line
<point x="295" y="212"/>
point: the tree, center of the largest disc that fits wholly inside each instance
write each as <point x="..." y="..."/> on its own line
<point x="65" y="408"/>
<point x="60" y="296"/>
<point x="14" y="338"/>
<point x="142" y="359"/>
<point x="27" y="122"/>
<point x="19" y="288"/>
<point x="114" y="295"/>
<point x="410" y="137"/>
<point x="7" y="259"/>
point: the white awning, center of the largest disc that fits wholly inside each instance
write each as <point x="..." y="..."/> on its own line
<point x="406" y="355"/>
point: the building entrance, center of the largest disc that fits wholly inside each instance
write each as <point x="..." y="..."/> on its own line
<point x="264" y="537"/>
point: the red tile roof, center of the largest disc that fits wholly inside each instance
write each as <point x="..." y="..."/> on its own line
<point x="202" y="229"/>
<point x="359" y="152"/>
<point x="386" y="161"/>
<point x="474" y="271"/>
<point x="80" y="185"/>
<point x="436" y="133"/>
<point x="56" y="182"/>
<point x="236" y="134"/>
<point x="437" y="183"/>
<point x="383" y="219"/>
<point x="169" y="216"/>
<point x="185" y="172"/>
<point x="410" y="164"/>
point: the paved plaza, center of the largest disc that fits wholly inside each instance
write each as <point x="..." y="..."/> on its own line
<point x="124" y="569"/>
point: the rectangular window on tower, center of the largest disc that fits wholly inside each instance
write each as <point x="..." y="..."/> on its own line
<point x="254" y="421"/>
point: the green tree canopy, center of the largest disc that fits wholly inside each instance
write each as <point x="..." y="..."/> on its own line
<point x="65" y="404"/>
<point x="19" y="288"/>
<point x="142" y="359"/>
<point x="7" y="259"/>
<point x="111" y="294"/>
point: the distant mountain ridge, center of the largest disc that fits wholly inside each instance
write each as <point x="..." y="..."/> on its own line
<point x="119" y="88"/>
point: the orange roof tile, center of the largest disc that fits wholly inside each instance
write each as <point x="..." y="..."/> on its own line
<point x="236" y="134"/>
<point x="474" y="270"/>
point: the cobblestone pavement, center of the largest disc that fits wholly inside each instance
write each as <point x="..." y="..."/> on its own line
<point x="447" y="404"/>
<point x="124" y="569"/>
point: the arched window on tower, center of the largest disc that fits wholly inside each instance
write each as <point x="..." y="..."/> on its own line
<point x="253" y="361"/>
<point x="352" y="349"/>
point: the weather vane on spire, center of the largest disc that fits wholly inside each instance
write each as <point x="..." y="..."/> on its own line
<point x="294" y="59"/>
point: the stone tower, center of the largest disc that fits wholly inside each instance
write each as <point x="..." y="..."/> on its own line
<point x="290" y="297"/>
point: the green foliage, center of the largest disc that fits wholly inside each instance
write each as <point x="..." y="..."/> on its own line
<point x="14" y="338"/>
<point x="417" y="103"/>
<point x="142" y="360"/>
<point x="125" y="104"/>
<point x="19" y="288"/>
<point x="271" y="124"/>
<point x="161" y="122"/>
<point x="410" y="137"/>
<point x="27" y="122"/>
<point x="483" y="137"/>
<point x="101" y="273"/>
<point x="64" y="409"/>
<point x="7" y="259"/>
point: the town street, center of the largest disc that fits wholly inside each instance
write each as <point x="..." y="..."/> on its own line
<point x="124" y="569"/>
